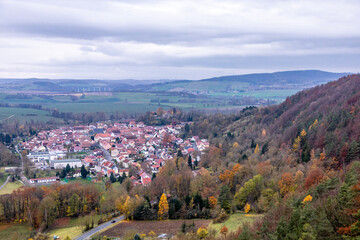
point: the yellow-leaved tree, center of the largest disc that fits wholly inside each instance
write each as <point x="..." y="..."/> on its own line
<point x="163" y="207"/>
<point x="303" y="133"/>
<point x="247" y="208"/>
<point x="308" y="198"/>
<point x="296" y="144"/>
<point x="202" y="232"/>
<point x="256" y="151"/>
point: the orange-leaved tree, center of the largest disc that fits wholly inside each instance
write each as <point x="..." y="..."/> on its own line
<point x="224" y="230"/>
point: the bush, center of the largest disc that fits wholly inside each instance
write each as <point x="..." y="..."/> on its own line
<point x="202" y="232"/>
<point x="221" y="218"/>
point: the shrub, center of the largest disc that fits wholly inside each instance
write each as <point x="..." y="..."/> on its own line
<point x="221" y="218"/>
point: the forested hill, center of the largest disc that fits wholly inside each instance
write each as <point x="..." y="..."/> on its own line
<point x="296" y="162"/>
<point x="328" y="114"/>
<point x="285" y="77"/>
<point x="277" y="80"/>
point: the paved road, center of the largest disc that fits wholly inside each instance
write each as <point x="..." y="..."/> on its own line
<point x="88" y="234"/>
<point x="7" y="179"/>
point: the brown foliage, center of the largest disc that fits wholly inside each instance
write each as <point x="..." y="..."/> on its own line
<point x="313" y="177"/>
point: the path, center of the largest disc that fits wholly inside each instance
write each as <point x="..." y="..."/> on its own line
<point x="99" y="228"/>
<point x="7" y="118"/>
<point x="7" y="179"/>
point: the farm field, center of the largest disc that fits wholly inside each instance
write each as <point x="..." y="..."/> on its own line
<point x="18" y="231"/>
<point x="128" y="102"/>
<point x="144" y="227"/>
<point x="272" y="94"/>
<point x="10" y="187"/>
<point x="235" y="221"/>
<point x="24" y="114"/>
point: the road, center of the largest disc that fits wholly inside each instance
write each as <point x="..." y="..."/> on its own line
<point x="88" y="234"/>
<point x="7" y="118"/>
<point x="22" y="176"/>
<point x="106" y="154"/>
<point x="7" y="179"/>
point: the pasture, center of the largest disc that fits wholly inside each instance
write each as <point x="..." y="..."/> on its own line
<point x="235" y="221"/>
<point x="10" y="187"/>
<point x="24" y="115"/>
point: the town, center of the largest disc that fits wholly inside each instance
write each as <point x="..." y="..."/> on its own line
<point x="126" y="148"/>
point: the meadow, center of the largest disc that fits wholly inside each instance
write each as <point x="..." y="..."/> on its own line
<point x="130" y="102"/>
<point x="25" y="114"/>
<point x="235" y="221"/>
<point x="10" y="187"/>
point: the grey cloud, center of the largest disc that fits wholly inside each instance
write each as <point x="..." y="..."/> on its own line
<point x="180" y="36"/>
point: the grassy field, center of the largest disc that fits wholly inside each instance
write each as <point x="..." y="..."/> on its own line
<point x="235" y="221"/>
<point x="24" y="114"/>
<point x="19" y="231"/>
<point x="159" y="227"/>
<point x="137" y="102"/>
<point x="271" y="94"/>
<point x="66" y="227"/>
<point x="71" y="227"/>
<point x="10" y="187"/>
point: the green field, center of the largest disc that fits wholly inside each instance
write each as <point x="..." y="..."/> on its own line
<point x="235" y="221"/>
<point x="19" y="231"/>
<point x="272" y="94"/>
<point x="137" y="102"/>
<point x="201" y="86"/>
<point x="10" y="187"/>
<point x="69" y="227"/>
<point x="24" y="115"/>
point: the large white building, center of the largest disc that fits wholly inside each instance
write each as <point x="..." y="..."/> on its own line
<point x="75" y="163"/>
<point x="38" y="156"/>
<point x="46" y="156"/>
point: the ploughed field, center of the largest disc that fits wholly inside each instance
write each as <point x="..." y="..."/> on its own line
<point x="159" y="227"/>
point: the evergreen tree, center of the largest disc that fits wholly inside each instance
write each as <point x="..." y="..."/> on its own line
<point x="187" y="128"/>
<point x="67" y="168"/>
<point x="84" y="172"/>
<point x="7" y="138"/>
<point x="112" y="178"/>
<point x="224" y="198"/>
<point x="179" y="154"/>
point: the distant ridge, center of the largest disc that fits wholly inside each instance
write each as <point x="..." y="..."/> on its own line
<point x="290" y="77"/>
<point x="298" y="79"/>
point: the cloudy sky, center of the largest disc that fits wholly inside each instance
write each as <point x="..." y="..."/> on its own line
<point x="145" y="39"/>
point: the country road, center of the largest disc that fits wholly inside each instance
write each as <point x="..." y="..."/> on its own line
<point x="7" y="118"/>
<point x="22" y="176"/>
<point x="7" y="179"/>
<point x="88" y="234"/>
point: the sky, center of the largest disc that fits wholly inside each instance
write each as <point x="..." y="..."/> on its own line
<point x="146" y="39"/>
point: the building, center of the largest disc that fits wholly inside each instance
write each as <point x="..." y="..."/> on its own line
<point x="75" y="163"/>
<point x="44" y="180"/>
<point x="38" y="156"/>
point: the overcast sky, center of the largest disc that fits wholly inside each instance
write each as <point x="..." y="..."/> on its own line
<point x="144" y="39"/>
